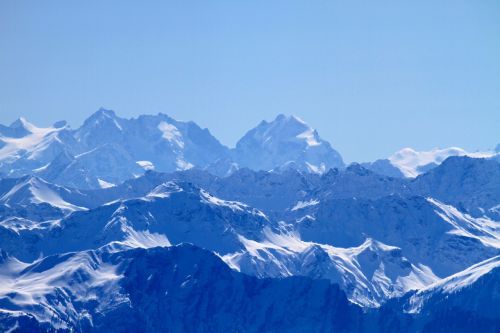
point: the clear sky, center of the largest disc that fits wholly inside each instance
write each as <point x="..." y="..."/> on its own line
<point x="371" y="76"/>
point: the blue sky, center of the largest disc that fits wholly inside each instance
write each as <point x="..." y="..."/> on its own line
<point x="371" y="76"/>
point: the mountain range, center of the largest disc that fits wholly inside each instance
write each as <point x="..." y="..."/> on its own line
<point x="152" y="225"/>
<point x="107" y="150"/>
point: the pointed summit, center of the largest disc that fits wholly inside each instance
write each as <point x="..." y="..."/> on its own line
<point x="102" y="116"/>
<point x="102" y="126"/>
<point x="287" y="140"/>
<point x="289" y="119"/>
<point x="20" y="122"/>
<point x="281" y="129"/>
<point x="102" y="112"/>
<point x="19" y="128"/>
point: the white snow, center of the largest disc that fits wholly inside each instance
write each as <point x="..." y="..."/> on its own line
<point x="33" y="143"/>
<point x="146" y="165"/>
<point x="164" y="190"/>
<point x="310" y="137"/>
<point x="484" y="229"/>
<point x="39" y="192"/>
<point x="145" y="239"/>
<point x="315" y="168"/>
<point x="467" y="276"/>
<point x="183" y="165"/>
<point x="370" y="273"/>
<point x="304" y="204"/>
<point x="105" y="184"/>
<point x="171" y="133"/>
<point x="212" y="200"/>
<point x="96" y="280"/>
<point x="453" y="283"/>
<point x="408" y="160"/>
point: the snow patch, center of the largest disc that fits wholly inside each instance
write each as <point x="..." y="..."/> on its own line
<point x="105" y="184"/>
<point x="145" y="239"/>
<point x="212" y="200"/>
<point x="146" y="165"/>
<point x="183" y="165"/>
<point x="171" y="133"/>
<point x="310" y="137"/>
<point x="304" y="204"/>
<point x="164" y="190"/>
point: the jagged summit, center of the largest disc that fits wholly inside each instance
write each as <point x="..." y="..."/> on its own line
<point x="281" y="129"/>
<point x="21" y="122"/>
<point x="103" y="113"/>
<point x="285" y="140"/>
<point x="107" y="149"/>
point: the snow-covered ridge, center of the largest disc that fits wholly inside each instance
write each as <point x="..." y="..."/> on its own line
<point x="453" y="284"/>
<point x="31" y="145"/>
<point x="105" y="149"/>
<point x="109" y="149"/>
<point x="33" y="190"/>
<point x="413" y="163"/>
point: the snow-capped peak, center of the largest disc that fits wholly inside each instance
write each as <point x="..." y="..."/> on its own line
<point x="104" y="113"/>
<point x="286" y="141"/>
<point x="22" y="123"/>
<point x="283" y="128"/>
<point x="102" y="119"/>
<point x="27" y="141"/>
<point x="413" y="163"/>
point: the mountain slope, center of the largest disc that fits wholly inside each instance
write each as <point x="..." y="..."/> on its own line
<point x="470" y="184"/>
<point x="198" y="293"/>
<point x="427" y="231"/>
<point x="465" y="302"/>
<point x="176" y="212"/>
<point x="186" y="289"/>
<point x="171" y="213"/>
<point x="28" y="190"/>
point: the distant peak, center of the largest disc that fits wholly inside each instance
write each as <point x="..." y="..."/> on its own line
<point x="285" y="124"/>
<point x="280" y="117"/>
<point x="435" y="151"/>
<point x="292" y="119"/>
<point x="413" y="163"/>
<point x="22" y="127"/>
<point x="21" y="122"/>
<point x="103" y="116"/>
<point x="105" y="112"/>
